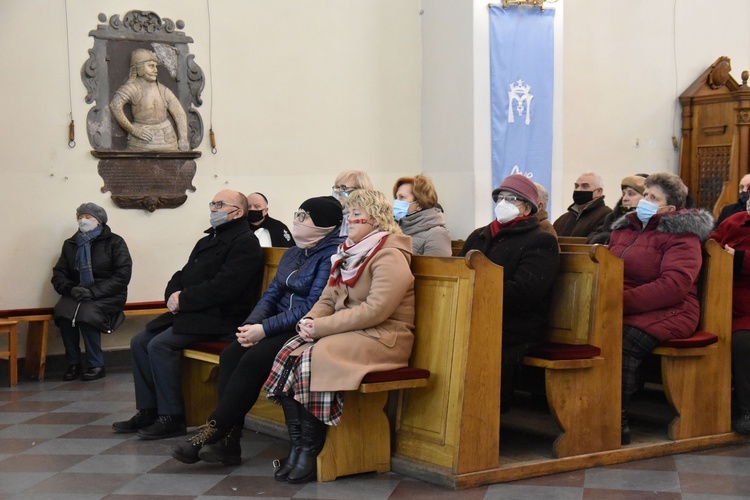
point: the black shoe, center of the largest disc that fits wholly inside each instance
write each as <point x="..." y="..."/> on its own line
<point x="166" y="426"/>
<point x="141" y="419"/>
<point x="742" y="424"/>
<point x="93" y="373"/>
<point x="74" y="371"/>
<point x="187" y="451"/>
<point x="227" y="451"/>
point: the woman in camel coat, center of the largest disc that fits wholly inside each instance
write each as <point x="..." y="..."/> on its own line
<point x="362" y="323"/>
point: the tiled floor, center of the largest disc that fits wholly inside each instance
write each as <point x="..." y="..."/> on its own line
<point x="56" y="443"/>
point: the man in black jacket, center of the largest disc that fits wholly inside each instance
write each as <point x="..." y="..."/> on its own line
<point x="269" y="231"/>
<point x="212" y="294"/>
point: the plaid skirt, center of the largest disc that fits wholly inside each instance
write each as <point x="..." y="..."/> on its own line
<point x="290" y="375"/>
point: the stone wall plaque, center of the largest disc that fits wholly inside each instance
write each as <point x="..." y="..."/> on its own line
<point x="143" y="126"/>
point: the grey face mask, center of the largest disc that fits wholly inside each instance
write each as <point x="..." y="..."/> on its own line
<point x="218" y="218"/>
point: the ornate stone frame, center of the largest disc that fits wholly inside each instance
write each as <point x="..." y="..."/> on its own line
<point x="141" y="179"/>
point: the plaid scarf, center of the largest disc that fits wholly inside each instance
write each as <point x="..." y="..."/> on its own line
<point x="83" y="255"/>
<point x="348" y="262"/>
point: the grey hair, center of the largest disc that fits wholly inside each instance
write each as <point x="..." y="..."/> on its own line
<point x="543" y="195"/>
<point x="597" y="179"/>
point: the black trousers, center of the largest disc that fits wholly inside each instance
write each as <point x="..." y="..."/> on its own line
<point x="741" y="370"/>
<point x="242" y="373"/>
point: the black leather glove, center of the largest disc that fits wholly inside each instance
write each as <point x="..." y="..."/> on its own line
<point x="81" y="293"/>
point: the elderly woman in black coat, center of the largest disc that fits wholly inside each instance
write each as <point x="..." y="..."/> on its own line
<point x="92" y="275"/>
<point x="530" y="258"/>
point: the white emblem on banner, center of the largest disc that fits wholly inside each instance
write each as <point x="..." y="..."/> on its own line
<point x="517" y="170"/>
<point x="519" y="92"/>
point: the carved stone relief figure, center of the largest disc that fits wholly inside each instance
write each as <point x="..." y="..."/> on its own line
<point x="144" y="127"/>
<point x="150" y="104"/>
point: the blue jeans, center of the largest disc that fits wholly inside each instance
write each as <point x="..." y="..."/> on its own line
<point x="92" y="340"/>
<point x="156" y="368"/>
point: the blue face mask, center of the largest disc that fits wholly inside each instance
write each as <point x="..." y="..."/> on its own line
<point x="645" y="210"/>
<point x="400" y="209"/>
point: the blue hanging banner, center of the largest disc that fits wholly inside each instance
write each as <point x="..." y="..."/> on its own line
<point x="522" y="85"/>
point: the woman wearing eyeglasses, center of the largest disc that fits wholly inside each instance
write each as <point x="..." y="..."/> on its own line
<point x="530" y="258"/>
<point x="346" y="182"/>
<point x="362" y="323"/>
<point x="244" y="365"/>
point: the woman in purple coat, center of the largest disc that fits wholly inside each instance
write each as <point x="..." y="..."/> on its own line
<point x="660" y="244"/>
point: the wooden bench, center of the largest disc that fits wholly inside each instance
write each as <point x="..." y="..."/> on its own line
<point x="696" y="372"/>
<point x="453" y="424"/>
<point x="361" y="443"/>
<point x="562" y="240"/>
<point x="38" y="330"/>
<point x="8" y="327"/>
<point x="582" y="353"/>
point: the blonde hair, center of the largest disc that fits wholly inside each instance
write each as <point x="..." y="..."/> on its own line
<point x="361" y="179"/>
<point x="422" y="188"/>
<point x="376" y="205"/>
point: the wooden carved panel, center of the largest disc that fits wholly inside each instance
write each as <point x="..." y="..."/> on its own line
<point x="713" y="170"/>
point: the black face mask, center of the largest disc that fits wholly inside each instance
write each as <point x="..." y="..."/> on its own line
<point x="582" y="197"/>
<point x="255" y="215"/>
<point x="744" y="195"/>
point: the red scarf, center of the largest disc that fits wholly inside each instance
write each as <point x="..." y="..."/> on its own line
<point x="496" y="227"/>
<point x="348" y="263"/>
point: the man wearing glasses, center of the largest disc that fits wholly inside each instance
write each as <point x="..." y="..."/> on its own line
<point x="212" y="294"/>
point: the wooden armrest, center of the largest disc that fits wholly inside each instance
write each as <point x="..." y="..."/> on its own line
<point x="563" y="364"/>
<point x="686" y="351"/>
<point x="393" y="385"/>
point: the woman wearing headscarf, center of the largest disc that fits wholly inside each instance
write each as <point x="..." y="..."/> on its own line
<point x="362" y="323"/>
<point x="660" y="245"/>
<point x="530" y="258"/>
<point x="244" y="365"/>
<point x="92" y="275"/>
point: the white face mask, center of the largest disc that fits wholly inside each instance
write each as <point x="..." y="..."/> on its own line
<point x="86" y="225"/>
<point x="506" y="211"/>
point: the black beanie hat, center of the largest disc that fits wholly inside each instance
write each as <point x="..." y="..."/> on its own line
<point x="93" y="210"/>
<point x="324" y="210"/>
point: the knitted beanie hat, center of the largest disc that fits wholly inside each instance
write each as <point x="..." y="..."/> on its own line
<point x="325" y="211"/>
<point x="93" y="210"/>
<point x="520" y="185"/>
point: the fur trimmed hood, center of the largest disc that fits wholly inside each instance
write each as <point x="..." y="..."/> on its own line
<point x="694" y="221"/>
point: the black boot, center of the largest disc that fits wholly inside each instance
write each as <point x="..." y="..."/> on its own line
<point x="187" y="451"/>
<point x="292" y="417"/>
<point x="227" y="451"/>
<point x="313" y="439"/>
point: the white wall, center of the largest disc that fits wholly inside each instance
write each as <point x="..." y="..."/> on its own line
<point x="625" y="64"/>
<point x="303" y="90"/>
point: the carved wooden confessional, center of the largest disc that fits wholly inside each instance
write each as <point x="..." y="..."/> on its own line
<point x="715" y="148"/>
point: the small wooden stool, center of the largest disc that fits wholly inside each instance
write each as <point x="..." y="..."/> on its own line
<point x="9" y="327"/>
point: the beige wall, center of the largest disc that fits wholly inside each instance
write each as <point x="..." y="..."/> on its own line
<point x="303" y="90"/>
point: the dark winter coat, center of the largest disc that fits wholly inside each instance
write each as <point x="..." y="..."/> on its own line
<point x="583" y="223"/>
<point x="730" y="210"/>
<point x="735" y="232"/>
<point x="300" y="279"/>
<point x="219" y="285"/>
<point x="601" y="235"/>
<point x="530" y="259"/>
<point x="662" y="264"/>
<point x="112" y="268"/>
